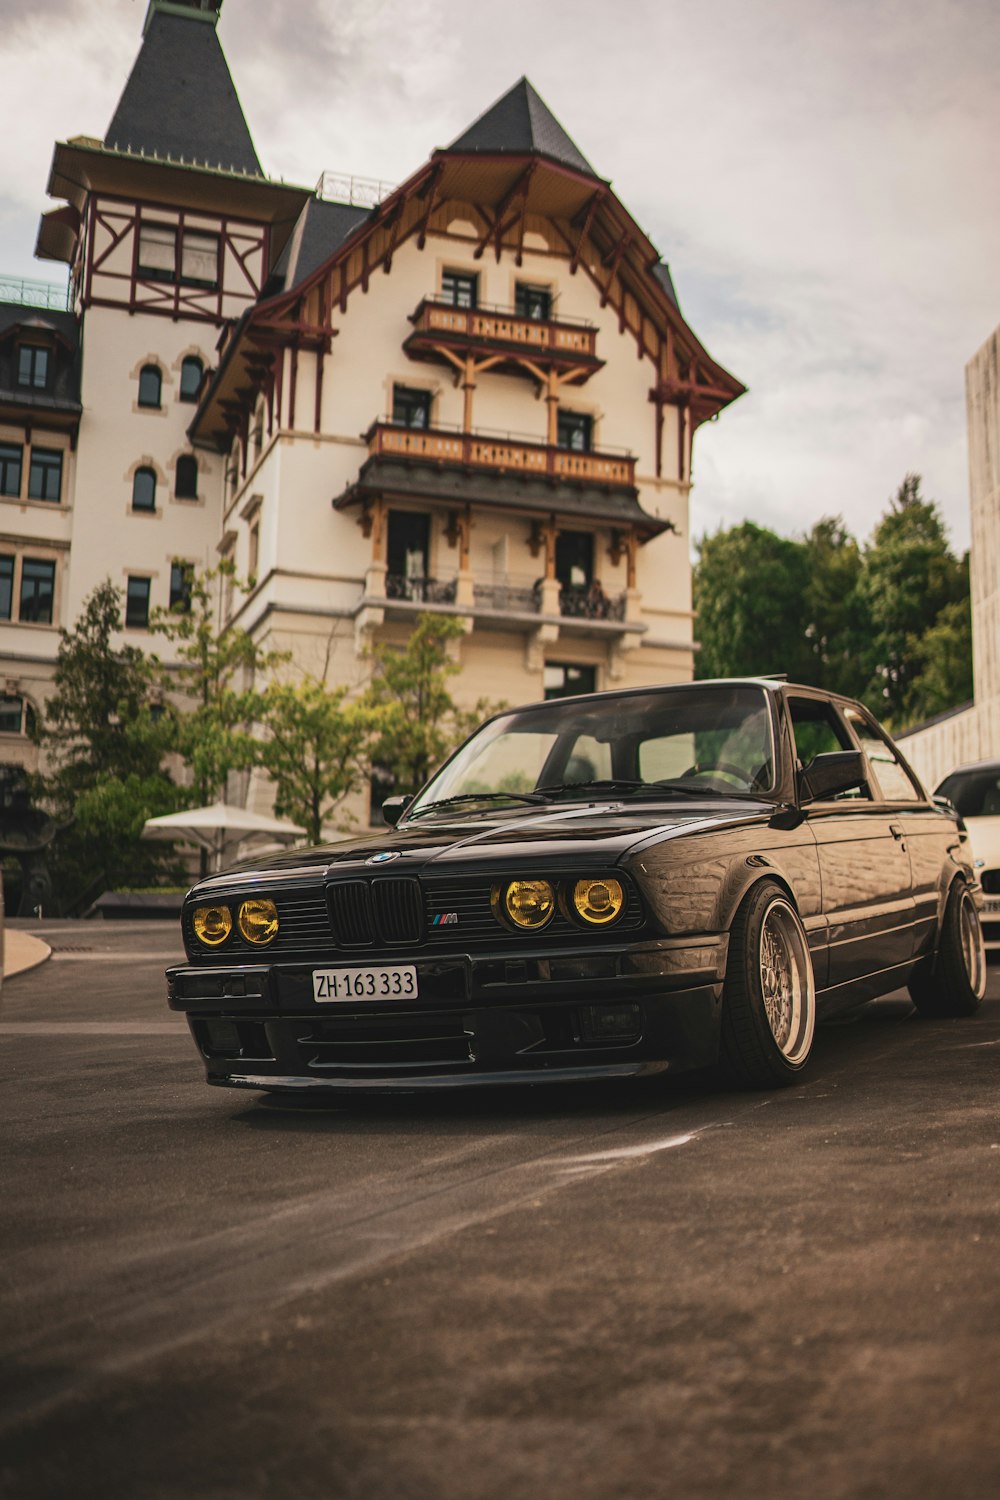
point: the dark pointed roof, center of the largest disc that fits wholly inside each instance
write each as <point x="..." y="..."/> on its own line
<point x="322" y="227"/>
<point x="520" y="124"/>
<point x="180" y="100"/>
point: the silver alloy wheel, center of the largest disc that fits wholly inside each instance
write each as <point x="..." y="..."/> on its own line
<point x="970" y="936"/>
<point x="786" y="981"/>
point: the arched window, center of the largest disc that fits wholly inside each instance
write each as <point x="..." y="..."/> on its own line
<point x="186" y="480"/>
<point x="150" y="385"/>
<point x="192" y="371"/>
<point x="144" y="490"/>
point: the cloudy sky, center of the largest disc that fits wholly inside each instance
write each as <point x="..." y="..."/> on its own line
<point x="820" y="174"/>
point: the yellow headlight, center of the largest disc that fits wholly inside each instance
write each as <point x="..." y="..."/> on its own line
<point x="258" y="920"/>
<point x="598" y="901"/>
<point x="212" y="924"/>
<point x="527" y="903"/>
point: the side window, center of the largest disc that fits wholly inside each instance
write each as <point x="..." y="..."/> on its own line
<point x="816" y="728"/>
<point x="819" y="731"/>
<point x="893" y="781"/>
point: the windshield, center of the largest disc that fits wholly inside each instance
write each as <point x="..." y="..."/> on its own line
<point x="976" y="794"/>
<point x="700" y="739"/>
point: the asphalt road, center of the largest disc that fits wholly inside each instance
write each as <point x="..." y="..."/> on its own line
<point x="592" y="1293"/>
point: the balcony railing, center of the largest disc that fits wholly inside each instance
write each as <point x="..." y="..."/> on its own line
<point x="501" y="325"/>
<point x="22" y="289"/>
<point x="500" y="453"/>
<point x="418" y="590"/>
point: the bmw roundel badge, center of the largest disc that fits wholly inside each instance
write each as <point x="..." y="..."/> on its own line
<point x="383" y="858"/>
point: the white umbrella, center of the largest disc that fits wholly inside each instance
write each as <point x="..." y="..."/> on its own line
<point x="214" y="827"/>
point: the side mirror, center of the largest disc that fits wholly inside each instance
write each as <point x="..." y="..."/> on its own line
<point x="828" y="775"/>
<point x="393" y="808"/>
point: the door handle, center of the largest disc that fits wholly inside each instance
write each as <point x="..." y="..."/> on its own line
<point x="898" y="834"/>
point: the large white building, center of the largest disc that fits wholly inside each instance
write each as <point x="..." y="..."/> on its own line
<point x="476" y="394"/>
<point x="973" y="732"/>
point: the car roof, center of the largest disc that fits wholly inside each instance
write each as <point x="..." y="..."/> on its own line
<point x="774" y="683"/>
<point x="973" y="765"/>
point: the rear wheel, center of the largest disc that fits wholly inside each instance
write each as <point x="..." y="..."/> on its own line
<point x="769" y="1000"/>
<point x="956" y="982"/>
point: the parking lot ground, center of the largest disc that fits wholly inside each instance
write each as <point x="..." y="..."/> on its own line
<point x="588" y="1292"/>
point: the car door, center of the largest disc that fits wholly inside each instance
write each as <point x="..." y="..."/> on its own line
<point x="927" y="834"/>
<point x="863" y="858"/>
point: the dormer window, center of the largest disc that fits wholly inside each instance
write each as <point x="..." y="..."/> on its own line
<point x="33" y="367"/>
<point x="150" y="385"/>
<point x="192" y="373"/>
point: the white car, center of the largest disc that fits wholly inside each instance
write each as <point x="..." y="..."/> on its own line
<point x="975" y="791"/>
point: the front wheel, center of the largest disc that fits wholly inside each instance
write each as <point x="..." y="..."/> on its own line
<point x="769" y="999"/>
<point x="956" y="983"/>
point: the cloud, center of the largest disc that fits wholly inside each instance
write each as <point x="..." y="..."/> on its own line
<point x="820" y="177"/>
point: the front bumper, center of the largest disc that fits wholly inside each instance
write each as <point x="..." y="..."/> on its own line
<point x="480" y="1019"/>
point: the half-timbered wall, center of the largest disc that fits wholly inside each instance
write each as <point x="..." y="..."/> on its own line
<point x="115" y="274"/>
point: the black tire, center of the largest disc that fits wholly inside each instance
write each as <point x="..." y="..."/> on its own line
<point x="955" y="983"/>
<point x="769" y="998"/>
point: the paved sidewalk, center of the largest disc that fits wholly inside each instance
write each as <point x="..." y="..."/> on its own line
<point x="23" y="952"/>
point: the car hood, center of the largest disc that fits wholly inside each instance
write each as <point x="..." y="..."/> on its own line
<point x="557" y="835"/>
<point x="984" y="836"/>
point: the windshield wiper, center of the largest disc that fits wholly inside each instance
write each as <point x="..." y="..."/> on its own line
<point x="612" y="784"/>
<point x="479" y="797"/>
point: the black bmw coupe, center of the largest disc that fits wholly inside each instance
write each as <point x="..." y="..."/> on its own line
<point x="605" y="886"/>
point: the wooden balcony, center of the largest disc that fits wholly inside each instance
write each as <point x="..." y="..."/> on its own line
<point x="510" y="341"/>
<point x="502" y="453"/>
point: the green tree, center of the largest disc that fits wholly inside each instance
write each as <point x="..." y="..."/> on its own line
<point x="101" y="720"/>
<point x="909" y="575"/>
<point x="749" y="596"/>
<point x="943" y="663"/>
<point x="419" y="722"/>
<point x="316" y="750"/>
<point x="216" y="675"/>
<point x="104" y="735"/>
<point x="836" y="614"/>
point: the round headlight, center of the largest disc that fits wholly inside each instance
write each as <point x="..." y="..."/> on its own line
<point x="598" y="901"/>
<point x="212" y="924"/>
<point x="527" y="903"/>
<point x="258" y="920"/>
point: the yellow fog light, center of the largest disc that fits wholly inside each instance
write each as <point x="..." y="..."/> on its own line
<point x="212" y="924"/>
<point x="526" y="903"/>
<point x="258" y="920"/>
<point x="598" y="901"/>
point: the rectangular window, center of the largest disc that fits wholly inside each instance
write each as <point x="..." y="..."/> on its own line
<point x="199" y="259"/>
<point x="411" y="408"/>
<point x="562" y="679"/>
<point x="575" y="431"/>
<point x="38" y="587"/>
<point x="11" y="715"/>
<point x="45" y="474"/>
<point x="533" y="302"/>
<point x="6" y="585"/>
<point x="137" y="603"/>
<point x="158" y="252"/>
<point x="33" y="367"/>
<point x="180" y="586"/>
<point x="460" y="288"/>
<point x="10" y="469"/>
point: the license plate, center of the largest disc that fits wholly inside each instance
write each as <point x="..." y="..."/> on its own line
<point x="991" y="908"/>
<point x="398" y="982"/>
